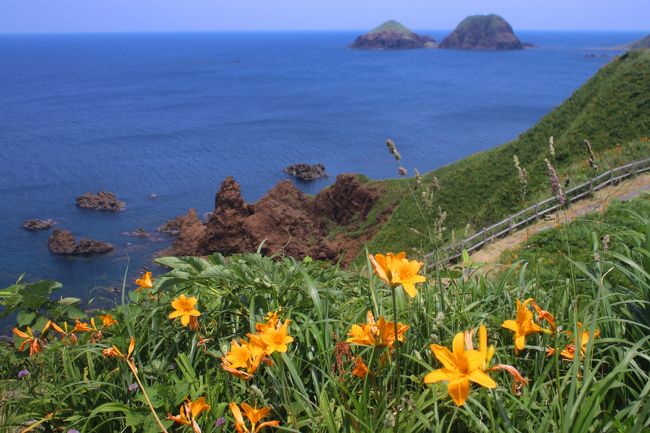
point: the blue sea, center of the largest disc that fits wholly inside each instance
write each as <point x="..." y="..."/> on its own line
<point x="173" y="114"/>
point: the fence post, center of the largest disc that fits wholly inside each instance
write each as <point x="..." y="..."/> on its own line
<point x="536" y="212"/>
<point x="591" y="187"/>
<point x="510" y="224"/>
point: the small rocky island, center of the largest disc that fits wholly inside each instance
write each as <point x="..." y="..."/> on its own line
<point x="63" y="242"/>
<point x="306" y="171"/>
<point x="36" y="224"/>
<point x="102" y="201"/>
<point x="392" y="35"/>
<point x="482" y="32"/>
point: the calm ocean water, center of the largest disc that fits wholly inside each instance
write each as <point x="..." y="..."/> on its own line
<point x="173" y="114"/>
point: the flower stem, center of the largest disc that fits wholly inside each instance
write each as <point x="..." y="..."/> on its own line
<point x="396" y="378"/>
<point x="134" y="370"/>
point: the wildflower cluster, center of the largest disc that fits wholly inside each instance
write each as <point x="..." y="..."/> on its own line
<point x="245" y="356"/>
<point x="37" y="342"/>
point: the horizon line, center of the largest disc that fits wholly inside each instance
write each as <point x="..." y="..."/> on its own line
<point x="70" y="32"/>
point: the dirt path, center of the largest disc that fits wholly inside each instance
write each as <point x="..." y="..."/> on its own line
<point x="599" y="201"/>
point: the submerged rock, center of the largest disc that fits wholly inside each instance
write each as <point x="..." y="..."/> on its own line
<point x="482" y="32"/>
<point x="103" y="201"/>
<point x="306" y="171"/>
<point x="64" y="242"/>
<point x="36" y="224"/>
<point x="392" y="35"/>
<point x="138" y="233"/>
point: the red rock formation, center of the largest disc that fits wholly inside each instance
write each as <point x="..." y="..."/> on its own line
<point x="103" y="201"/>
<point x="286" y="221"/>
<point x="63" y="242"/>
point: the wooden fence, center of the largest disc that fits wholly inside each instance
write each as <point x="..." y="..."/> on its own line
<point x="453" y="252"/>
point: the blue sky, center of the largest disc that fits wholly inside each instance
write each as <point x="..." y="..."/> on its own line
<point x="199" y="15"/>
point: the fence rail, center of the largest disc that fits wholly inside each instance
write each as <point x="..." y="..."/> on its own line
<point x="532" y="213"/>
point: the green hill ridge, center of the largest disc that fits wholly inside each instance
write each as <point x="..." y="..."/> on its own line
<point x="612" y="111"/>
<point x="392" y="26"/>
<point x="640" y="44"/>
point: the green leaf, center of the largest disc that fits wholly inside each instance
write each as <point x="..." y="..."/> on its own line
<point x="36" y="294"/>
<point x="24" y="318"/>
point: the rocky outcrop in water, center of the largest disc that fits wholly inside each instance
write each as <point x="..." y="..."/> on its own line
<point x="284" y="221"/>
<point x="482" y="32"/>
<point x="306" y="171"/>
<point x="102" y="201"/>
<point x="64" y="242"/>
<point x="36" y="224"/>
<point x="137" y="233"/>
<point x="392" y="35"/>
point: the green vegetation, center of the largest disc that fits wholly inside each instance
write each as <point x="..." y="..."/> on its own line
<point x="392" y="26"/>
<point x="640" y="44"/>
<point x="610" y="110"/>
<point x="590" y="239"/>
<point x="89" y="381"/>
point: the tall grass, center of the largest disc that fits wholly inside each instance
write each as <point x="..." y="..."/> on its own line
<point x="311" y="388"/>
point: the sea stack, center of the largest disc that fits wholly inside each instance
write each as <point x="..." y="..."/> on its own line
<point x="392" y="35"/>
<point x="483" y="32"/>
<point x="63" y="242"/>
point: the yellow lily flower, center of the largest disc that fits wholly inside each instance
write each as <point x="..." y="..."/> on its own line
<point x="185" y="309"/>
<point x="254" y="415"/>
<point x="523" y="325"/>
<point x="460" y="367"/>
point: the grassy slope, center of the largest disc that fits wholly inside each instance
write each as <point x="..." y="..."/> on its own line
<point x="548" y="251"/>
<point x="640" y="44"/>
<point x="392" y="26"/>
<point x="612" y="110"/>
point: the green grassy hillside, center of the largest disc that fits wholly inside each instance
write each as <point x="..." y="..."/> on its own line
<point x="612" y="110"/>
<point x="392" y="26"/>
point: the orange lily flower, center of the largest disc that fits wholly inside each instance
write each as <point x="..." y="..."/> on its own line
<point x="360" y="369"/>
<point x="189" y="411"/>
<point x="459" y="368"/>
<point x="523" y="325"/>
<point x="570" y="349"/>
<point x="107" y="320"/>
<point x="66" y="335"/>
<point x="116" y="353"/>
<point x="243" y="359"/>
<point x="396" y="269"/>
<point x="380" y="333"/>
<point x="277" y="339"/>
<point x="145" y="282"/>
<point x="185" y="309"/>
<point x="36" y="344"/>
<point x="254" y="415"/>
<point x="545" y="315"/>
<point x="488" y="352"/>
<point x="82" y="327"/>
